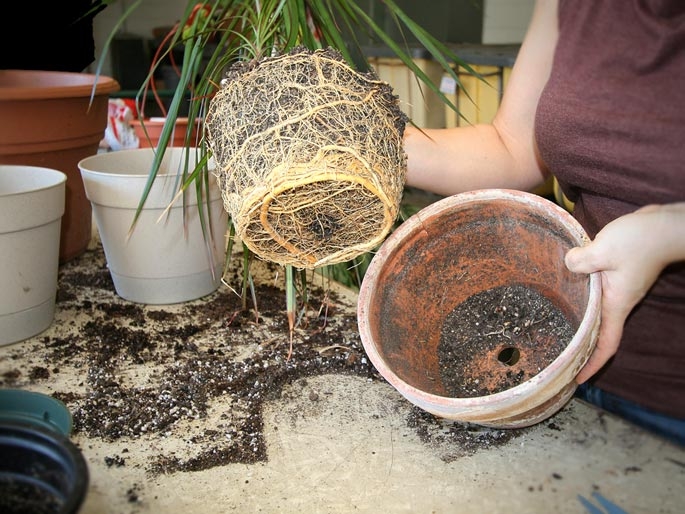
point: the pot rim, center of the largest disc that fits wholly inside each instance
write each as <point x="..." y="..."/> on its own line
<point x="161" y="120"/>
<point x="90" y="164"/>
<point x="548" y="376"/>
<point x="22" y="405"/>
<point x="33" y="178"/>
<point x="38" y="84"/>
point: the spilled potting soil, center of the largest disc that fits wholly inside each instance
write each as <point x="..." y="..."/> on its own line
<point x="156" y="373"/>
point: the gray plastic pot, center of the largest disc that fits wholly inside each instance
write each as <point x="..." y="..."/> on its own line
<point x="32" y="203"/>
<point x="166" y="258"/>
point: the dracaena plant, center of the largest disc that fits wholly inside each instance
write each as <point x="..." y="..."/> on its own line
<point x="214" y="34"/>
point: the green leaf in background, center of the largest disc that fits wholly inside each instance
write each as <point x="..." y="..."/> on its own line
<point x="216" y="33"/>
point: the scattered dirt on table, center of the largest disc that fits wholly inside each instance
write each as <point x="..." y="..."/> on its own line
<point x="457" y="439"/>
<point x="157" y="373"/>
<point x="499" y="338"/>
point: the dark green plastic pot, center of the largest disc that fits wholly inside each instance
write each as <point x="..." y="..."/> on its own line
<point x="41" y="470"/>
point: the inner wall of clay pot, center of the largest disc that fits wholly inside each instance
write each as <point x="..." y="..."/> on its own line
<point x="454" y="255"/>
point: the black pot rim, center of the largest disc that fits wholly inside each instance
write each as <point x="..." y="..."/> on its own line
<point x="51" y="447"/>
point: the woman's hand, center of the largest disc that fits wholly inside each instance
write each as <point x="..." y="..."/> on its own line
<point x="629" y="254"/>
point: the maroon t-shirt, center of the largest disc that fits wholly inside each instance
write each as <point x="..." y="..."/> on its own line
<point x="610" y="126"/>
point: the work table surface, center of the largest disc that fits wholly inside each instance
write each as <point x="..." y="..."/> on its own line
<point x="338" y="443"/>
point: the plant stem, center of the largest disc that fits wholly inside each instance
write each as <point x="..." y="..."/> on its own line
<point x="291" y="303"/>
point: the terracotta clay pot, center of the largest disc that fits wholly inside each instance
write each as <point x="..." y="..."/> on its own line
<point x="451" y="250"/>
<point x="47" y="122"/>
<point x="154" y="127"/>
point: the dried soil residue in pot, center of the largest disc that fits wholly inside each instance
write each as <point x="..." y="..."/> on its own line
<point x="499" y="338"/>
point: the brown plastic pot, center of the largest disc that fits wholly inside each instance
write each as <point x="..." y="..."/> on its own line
<point x="451" y="250"/>
<point x="150" y="130"/>
<point x="48" y="121"/>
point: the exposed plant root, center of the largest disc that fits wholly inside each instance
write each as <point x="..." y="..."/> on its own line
<point x="310" y="158"/>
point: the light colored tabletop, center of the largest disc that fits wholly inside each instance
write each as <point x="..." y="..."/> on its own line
<point x="339" y="443"/>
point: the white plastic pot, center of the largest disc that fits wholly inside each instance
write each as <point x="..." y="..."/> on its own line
<point x="165" y="258"/>
<point x="31" y="207"/>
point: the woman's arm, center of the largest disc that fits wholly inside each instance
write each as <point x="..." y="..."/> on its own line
<point x="629" y="253"/>
<point x="501" y="154"/>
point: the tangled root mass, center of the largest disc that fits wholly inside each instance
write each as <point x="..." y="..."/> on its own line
<point x="309" y="156"/>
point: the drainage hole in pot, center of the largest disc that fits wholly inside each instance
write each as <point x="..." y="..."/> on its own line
<point x="509" y="356"/>
<point x="499" y="338"/>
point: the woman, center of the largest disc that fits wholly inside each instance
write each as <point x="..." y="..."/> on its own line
<point x="596" y="98"/>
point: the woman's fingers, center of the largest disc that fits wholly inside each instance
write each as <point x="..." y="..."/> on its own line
<point x="610" y="331"/>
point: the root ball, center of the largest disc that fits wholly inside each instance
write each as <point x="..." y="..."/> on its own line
<point x="309" y="157"/>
